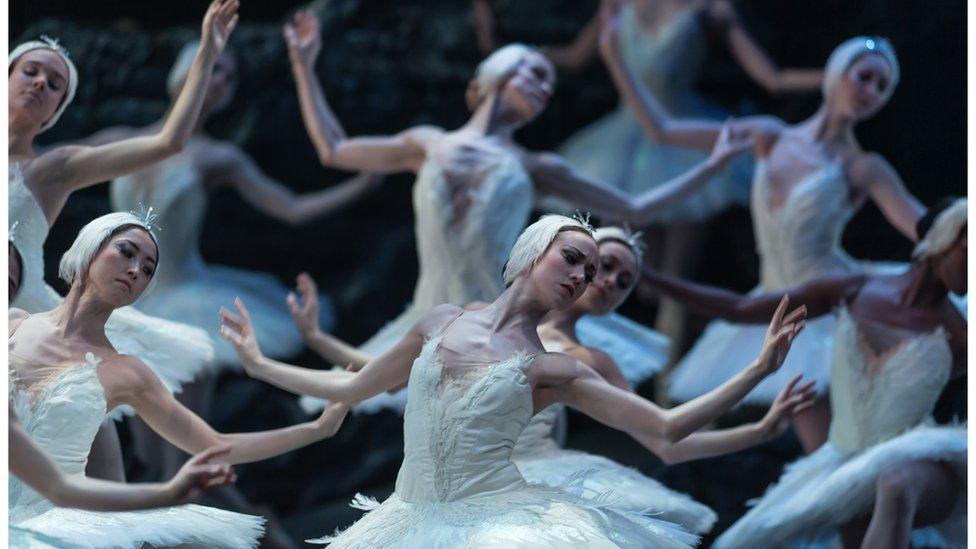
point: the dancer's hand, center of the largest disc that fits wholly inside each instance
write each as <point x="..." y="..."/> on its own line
<point x="782" y="330"/>
<point x="331" y="419"/>
<point x="240" y="332"/>
<point x="198" y="474"/>
<point x="218" y="23"/>
<point x="788" y="403"/>
<point x="610" y="28"/>
<point x="303" y="38"/>
<point x="731" y="142"/>
<point x="306" y="314"/>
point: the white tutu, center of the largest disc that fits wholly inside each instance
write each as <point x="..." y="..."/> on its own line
<point x="829" y="487"/>
<point x="724" y="349"/>
<point x="639" y="351"/>
<point x="629" y="489"/>
<point x="531" y="517"/>
<point x="193" y="525"/>
<point x="19" y="538"/>
<point x="541" y="460"/>
<point x="62" y="416"/>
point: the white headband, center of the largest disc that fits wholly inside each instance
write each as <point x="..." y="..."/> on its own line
<point x="46" y="43"/>
<point x="623" y="235"/>
<point x="849" y="51"/>
<point x="535" y="240"/>
<point x="943" y="232"/>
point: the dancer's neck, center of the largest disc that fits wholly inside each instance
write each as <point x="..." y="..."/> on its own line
<point x="829" y="127"/>
<point x="80" y="315"/>
<point x="20" y="139"/>
<point x="516" y="310"/>
<point x="921" y="287"/>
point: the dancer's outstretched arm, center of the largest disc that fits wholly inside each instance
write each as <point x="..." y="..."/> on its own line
<point x="703" y="444"/>
<point x="62" y="170"/>
<point x="387" y="371"/>
<point x="404" y="151"/>
<point x="790" y="401"/>
<point x="230" y="166"/>
<point x="31" y="464"/>
<point x="306" y="316"/>
<point x="560" y="378"/>
<point x="555" y="176"/>
<point x="128" y="381"/>
<point x="753" y="59"/>
<point x="818" y="296"/>
<point x="658" y="124"/>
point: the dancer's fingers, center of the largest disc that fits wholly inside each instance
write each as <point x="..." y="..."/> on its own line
<point x="241" y="308"/>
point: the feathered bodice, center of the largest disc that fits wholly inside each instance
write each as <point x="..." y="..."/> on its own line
<point x="175" y="191"/>
<point x="62" y="413"/>
<point x="29" y="236"/>
<point x="459" y="430"/>
<point x="537" y="435"/>
<point x="884" y="380"/>
<point x="469" y="210"/>
<point x="668" y="59"/>
<point x="800" y="239"/>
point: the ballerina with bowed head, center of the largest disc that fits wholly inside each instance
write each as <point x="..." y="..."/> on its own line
<point x="886" y="469"/>
<point x="476" y="378"/>
<point x="66" y="376"/>
<point x="538" y="455"/>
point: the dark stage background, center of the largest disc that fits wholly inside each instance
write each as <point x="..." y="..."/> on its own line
<point x="387" y="65"/>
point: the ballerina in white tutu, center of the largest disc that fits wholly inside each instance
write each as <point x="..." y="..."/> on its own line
<point x="885" y="469"/>
<point x="65" y="377"/>
<point x="42" y="82"/>
<point x="476" y="378"/>
<point x="189" y="290"/>
<point x="476" y="186"/>
<point x="538" y="455"/>
<point x="809" y="180"/>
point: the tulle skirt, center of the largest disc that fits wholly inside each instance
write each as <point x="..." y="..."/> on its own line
<point x="197" y="299"/>
<point x="631" y="491"/>
<point x="530" y="516"/>
<point x="19" y="538"/>
<point x="830" y="487"/>
<point x="193" y="525"/>
<point x="724" y="349"/>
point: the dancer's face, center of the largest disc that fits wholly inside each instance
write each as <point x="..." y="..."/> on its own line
<point x="223" y="82"/>
<point x="526" y="93"/>
<point x="123" y="267"/>
<point x="615" y="277"/>
<point x="561" y="275"/>
<point x="14" y="272"/>
<point x="862" y="90"/>
<point x="950" y="266"/>
<point x="37" y="84"/>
